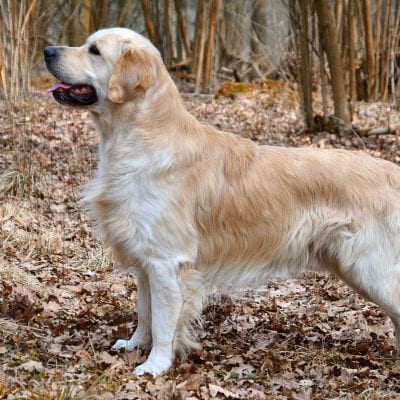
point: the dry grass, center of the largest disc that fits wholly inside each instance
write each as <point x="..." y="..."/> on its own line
<point x="4" y="389"/>
<point x="18" y="45"/>
<point x="12" y="329"/>
<point x="7" y="328"/>
<point x="21" y="230"/>
<point x="22" y="177"/>
<point x="98" y="259"/>
<point x="32" y="243"/>
<point x="16" y="275"/>
<point x="8" y="211"/>
<point x="65" y="393"/>
<point x="374" y="394"/>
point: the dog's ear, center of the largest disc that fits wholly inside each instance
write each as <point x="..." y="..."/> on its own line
<point x="132" y="75"/>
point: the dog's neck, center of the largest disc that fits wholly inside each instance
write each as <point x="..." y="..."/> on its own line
<point x="158" y="123"/>
<point x="153" y="112"/>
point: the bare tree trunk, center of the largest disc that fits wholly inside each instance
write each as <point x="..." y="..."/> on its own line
<point x="74" y="31"/>
<point x="339" y="16"/>
<point x="324" y="93"/>
<point x="201" y="16"/>
<point x="258" y="29"/>
<point x="183" y="27"/>
<point x="303" y="65"/>
<point x="86" y="19"/>
<point x="149" y="22"/>
<point x="209" y="51"/>
<point x="306" y="70"/>
<point x="378" y="43"/>
<point x="18" y="40"/>
<point x="234" y="31"/>
<point x="369" y="44"/>
<point x="385" y="54"/>
<point x="328" y="32"/>
<point x="99" y="10"/>
<point x="395" y="58"/>
<point x="167" y="33"/>
<point x="352" y="58"/>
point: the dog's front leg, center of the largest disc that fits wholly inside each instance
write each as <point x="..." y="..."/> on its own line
<point x="166" y="307"/>
<point x="142" y="335"/>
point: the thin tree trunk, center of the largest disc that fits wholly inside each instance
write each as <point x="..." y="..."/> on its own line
<point x="394" y="56"/>
<point x="183" y="27"/>
<point x="303" y="58"/>
<point x="99" y="12"/>
<point x="74" y="31"/>
<point x="168" y="45"/>
<point x="352" y="58"/>
<point x="339" y="11"/>
<point x="378" y="34"/>
<point x="369" y="45"/>
<point x="387" y="49"/>
<point x="324" y="93"/>
<point x="328" y="32"/>
<point x="18" y="42"/>
<point x="209" y="51"/>
<point x="258" y="38"/>
<point x="149" y="23"/>
<point x="86" y="19"/>
<point x="201" y="16"/>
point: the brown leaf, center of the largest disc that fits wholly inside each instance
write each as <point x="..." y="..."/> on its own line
<point x="51" y="306"/>
<point x="106" y="358"/>
<point x="28" y="295"/>
<point x="215" y="390"/>
<point x="31" y="366"/>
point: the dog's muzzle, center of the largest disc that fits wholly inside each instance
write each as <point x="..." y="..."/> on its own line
<point x="64" y="92"/>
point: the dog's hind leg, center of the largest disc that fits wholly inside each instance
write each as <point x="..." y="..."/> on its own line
<point x="142" y="335"/>
<point x="385" y="293"/>
<point x="389" y="300"/>
<point x="374" y="273"/>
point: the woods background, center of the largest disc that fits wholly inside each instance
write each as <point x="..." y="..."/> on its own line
<point x="241" y="66"/>
<point x="350" y="48"/>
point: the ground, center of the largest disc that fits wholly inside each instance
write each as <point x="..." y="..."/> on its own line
<point x="62" y="305"/>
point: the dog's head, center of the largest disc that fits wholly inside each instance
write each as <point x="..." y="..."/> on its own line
<point x="114" y="65"/>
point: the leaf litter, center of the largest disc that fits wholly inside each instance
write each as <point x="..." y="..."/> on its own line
<point x="63" y="306"/>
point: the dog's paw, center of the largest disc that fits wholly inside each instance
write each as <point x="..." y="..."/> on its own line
<point x="154" y="368"/>
<point x="139" y="339"/>
<point x="124" y="344"/>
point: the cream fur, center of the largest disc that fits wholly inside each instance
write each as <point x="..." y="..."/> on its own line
<point x="190" y="207"/>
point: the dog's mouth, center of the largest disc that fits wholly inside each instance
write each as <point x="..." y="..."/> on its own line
<point x="74" y="95"/>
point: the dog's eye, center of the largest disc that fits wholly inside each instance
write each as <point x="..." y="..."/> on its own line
<point x="94" y="50"/>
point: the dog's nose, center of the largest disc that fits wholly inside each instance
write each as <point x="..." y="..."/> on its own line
<point x="50" y="53"/>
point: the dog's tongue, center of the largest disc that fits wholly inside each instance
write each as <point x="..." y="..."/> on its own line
<point x="59" y="85"/>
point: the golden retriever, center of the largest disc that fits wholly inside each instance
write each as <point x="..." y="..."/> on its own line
<point x="190" y="207"/>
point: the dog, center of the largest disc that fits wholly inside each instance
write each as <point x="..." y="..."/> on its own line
<point x="189" y="207"/>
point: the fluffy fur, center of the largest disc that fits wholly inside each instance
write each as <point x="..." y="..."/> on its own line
<point x="189" y="207"/>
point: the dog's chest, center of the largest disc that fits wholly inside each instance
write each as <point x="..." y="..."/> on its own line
<point x="129" y="212"/>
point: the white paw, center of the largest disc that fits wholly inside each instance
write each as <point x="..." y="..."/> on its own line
<point x="155" y="368"/>
<point x="139" y="339"/>
<point x="123" y="344"/>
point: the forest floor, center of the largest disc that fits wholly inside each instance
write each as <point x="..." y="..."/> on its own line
<point x="62" y="306"/>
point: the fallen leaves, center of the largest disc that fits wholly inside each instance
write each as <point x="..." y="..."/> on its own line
<point x="62" y="308"/>
<point x="215" y="390"/>
<point x="31" y="366"/>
